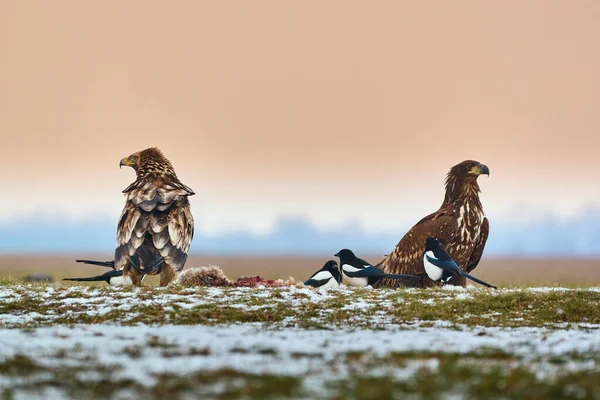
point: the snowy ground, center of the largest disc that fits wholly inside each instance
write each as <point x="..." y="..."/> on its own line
<point x="319" y="358"/>
<point x="74" y="342"/>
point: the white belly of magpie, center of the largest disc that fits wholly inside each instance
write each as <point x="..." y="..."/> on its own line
<point x="360" y="282"/>
<point x="120" y="281"/>
<point x="331" y="283"/>
<point x="354" y="281"/>
<point x="434" y="272"/>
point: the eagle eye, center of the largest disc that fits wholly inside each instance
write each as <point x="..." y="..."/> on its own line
<point x="469" y="166"/>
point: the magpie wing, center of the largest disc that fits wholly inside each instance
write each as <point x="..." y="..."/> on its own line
<point x="368" y="272"/>
<point x="319" y="278"/>
<point x="446" y="265"/>
<point x="363" y="262"/>
<point x="316" y="283"/>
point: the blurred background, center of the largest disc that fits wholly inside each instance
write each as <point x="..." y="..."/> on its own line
<point x="303" y="127"/>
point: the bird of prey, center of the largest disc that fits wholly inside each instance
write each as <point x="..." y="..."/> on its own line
<point x="459" y="224"/>
<point x="327" y="277"/>
<point x="156" y="220"/>
<point x="440" y="267"/>
<point x="358" y="272"/>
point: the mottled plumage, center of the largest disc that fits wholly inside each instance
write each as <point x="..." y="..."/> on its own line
<point x="156" y="218"/>
<point x="459" y="224"/>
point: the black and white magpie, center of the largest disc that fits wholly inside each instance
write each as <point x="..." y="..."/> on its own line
<point x="327" y="277"/>
<point x="135" y="260"/>
<point x="115" y="277"/>
<point x="109" y="264"/>
<point x="358" y="272"/>
<point x="439" y="266"/>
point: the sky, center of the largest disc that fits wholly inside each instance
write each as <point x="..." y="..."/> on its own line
<point x="338" y="112"/>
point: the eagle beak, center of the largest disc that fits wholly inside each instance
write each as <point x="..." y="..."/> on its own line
<point x="484" y="170"/>
<point x="480" y="169"/>
<point x="126" y="162"/>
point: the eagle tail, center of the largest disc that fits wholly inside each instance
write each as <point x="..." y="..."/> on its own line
<point x="478" y="281"/>
<point x="109" y="264"/>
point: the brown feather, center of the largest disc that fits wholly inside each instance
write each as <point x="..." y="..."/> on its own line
<point x="156" y="214"/>
<point x="459" y="224"/>
<point x="478" y="252"/>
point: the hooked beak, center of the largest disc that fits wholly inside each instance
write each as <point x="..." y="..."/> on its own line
<point x="126" y="162"/>
<point x="480" y="169"/>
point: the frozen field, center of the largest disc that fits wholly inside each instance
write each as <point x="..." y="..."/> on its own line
<point x="86" y="342"/>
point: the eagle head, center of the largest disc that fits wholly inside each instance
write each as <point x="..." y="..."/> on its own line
<point x="469" y="169"/>
<point x="147" y="162"/>
<point x="462" y="179"/>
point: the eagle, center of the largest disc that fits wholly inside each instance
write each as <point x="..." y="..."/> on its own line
<point x="459" y="224"/>
<point x="156" y="222"/>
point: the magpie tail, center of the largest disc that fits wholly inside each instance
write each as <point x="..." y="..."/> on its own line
<point x="109" y="264"/>
<point x="104" y="277"/>
<point x="478" y="281"/>
<point x="90" y="279"/>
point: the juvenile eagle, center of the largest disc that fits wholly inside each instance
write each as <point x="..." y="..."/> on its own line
<point x="459" y="225"/>
<point x="156" y="220"/>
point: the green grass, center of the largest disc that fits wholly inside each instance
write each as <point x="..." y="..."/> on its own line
<point x="56" y="304"/>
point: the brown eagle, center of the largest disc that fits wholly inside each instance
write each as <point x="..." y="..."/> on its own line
<point x="156" y="221"/>
<point x="459" y="225"/>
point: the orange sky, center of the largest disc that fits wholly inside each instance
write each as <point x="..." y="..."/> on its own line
<point x="336" y="110"/>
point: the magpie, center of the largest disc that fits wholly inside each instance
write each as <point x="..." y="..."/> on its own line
<point x="154" y="268"/>
<point x="358" y="272"/>
<point x="115" y="277"/>
<point x="439" y="266"/>
<point x="327" y="277"/>
<point x="110" y="264"/>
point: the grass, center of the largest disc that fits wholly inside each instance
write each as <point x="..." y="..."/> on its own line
<point x="436" y="375"/>
<point x="487" y="372"/>
<point x="46" y="305"/>
<point x="72" y="382"/>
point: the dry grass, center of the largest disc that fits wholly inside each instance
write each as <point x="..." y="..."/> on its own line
<point x="502" y="272"/>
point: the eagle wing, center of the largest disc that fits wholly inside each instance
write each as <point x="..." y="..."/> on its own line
<point x="158" y="218"/>
<point x="407" y="257"/>
<point x="478" y="251"/>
